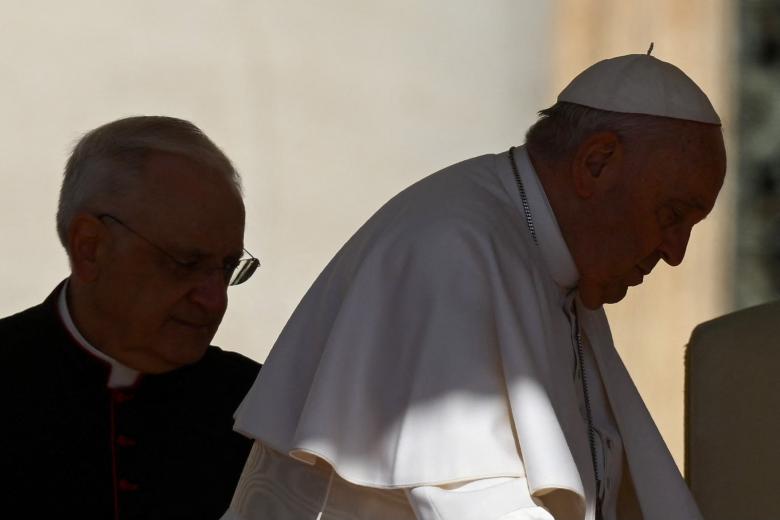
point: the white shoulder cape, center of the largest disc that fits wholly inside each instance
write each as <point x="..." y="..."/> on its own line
<point x="432" y="350"/>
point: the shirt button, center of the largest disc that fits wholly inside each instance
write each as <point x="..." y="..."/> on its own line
<point x="125" y="441"/>
<point x="126" y="485"/>
<point x="121" y="397"/>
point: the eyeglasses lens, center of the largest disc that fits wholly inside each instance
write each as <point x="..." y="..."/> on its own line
<point x="244" y="271"/>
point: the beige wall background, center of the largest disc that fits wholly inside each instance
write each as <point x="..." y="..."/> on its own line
<point x="328" y="109"/>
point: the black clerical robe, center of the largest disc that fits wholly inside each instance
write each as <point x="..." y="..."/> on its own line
<point x="70" y="447"/>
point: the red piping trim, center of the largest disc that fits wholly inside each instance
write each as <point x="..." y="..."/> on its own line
<point x="113" y="457"/>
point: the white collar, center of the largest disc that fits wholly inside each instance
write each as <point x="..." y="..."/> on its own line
<point x="552" y="246"/>
<point x="121" y="376"/>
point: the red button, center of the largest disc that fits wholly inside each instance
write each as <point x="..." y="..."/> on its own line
<point x="126" y="485"/>
<point x="121" y="397"/>
<point x="125" y="441"/>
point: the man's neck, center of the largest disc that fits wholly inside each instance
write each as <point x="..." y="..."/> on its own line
<point x="120" y="375"/>
<point x="92" y="324"/>
<point x="559" y="195"/>
<point x="575" y="219"/>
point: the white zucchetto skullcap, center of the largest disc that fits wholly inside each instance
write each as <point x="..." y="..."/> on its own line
<point x="640" y="84"/>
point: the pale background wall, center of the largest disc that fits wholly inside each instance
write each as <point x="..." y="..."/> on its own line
<point x="328" y="109"/>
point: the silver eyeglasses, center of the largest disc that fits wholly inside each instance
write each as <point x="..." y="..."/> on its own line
<point x="235" y="272"/>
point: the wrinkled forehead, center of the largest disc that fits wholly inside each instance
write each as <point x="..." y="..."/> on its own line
<point x="701" y="151"/>
<point x="693" y="161"/>
<point x="688" y="143"/>
<point x="188" y="202"/>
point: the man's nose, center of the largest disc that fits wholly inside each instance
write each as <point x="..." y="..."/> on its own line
<point x="210" y="292"/>
<point x="675" y="244"/>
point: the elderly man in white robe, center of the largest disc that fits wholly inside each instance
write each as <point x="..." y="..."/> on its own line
<point x="454" y="362"/>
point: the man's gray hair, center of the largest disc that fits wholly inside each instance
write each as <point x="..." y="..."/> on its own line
<point x="560" y="129"/>
<point x="106" y="160"/>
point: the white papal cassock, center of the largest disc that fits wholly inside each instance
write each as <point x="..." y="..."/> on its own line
<point x="430" y="372"/>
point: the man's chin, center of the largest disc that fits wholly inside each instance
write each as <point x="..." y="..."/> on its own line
<point x="616" y="296"/>
<point x="594" y="297"/>
<point x="186" y="354"/>
<point x="178" y="350"/>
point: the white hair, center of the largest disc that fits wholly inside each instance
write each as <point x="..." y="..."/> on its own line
<point x="560" y="129"/>
<point x="106" y="161"/>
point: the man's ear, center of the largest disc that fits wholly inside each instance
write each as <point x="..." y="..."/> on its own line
<point x="86" y="241"/>
<point x="600" y="155"/>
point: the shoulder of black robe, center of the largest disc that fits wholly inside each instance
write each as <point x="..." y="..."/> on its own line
<point x="165" y="447"/>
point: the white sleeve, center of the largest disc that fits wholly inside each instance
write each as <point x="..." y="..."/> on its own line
<point x="485" y="499"/>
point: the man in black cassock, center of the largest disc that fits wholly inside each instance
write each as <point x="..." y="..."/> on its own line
<point x="114" y="404"/>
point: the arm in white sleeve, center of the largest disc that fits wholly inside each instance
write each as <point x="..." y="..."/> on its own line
<point x="485" y="499"/>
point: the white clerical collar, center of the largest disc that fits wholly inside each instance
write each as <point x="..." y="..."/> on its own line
<point x="121" y="376"/>
<point x="553" y="247"/>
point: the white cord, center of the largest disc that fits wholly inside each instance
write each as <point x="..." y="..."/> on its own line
<point x="327" y="495"/>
